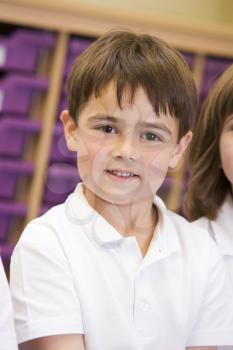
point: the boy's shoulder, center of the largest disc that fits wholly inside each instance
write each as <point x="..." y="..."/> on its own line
<point x="59" y="222"/>
<point x="202" y="222"/>
<point x="181" y="225"/>
<point x="43" y="229"/>
<point x="183" y="236"/>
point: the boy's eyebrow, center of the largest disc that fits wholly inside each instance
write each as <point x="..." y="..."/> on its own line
<point x="100" y="117"/>
<point x="155" y="125"/>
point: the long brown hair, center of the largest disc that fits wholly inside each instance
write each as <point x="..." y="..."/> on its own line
<point x="131" y="60"/>
<point x="208" y="184"/>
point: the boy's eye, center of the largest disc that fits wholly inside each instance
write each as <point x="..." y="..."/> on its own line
<point x="108" y="129"/>
<point x="150" y="136"/>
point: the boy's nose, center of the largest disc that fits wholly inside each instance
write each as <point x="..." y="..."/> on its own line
<point x="126" y="149"/>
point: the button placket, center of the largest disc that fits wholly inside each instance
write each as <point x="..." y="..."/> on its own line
<point x="144" y="305"/>
<point x="142" y="319"/>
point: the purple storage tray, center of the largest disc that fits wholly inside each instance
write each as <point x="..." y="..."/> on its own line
<point x="13" y="134"/>
<point x="10" y="173"/>
<point x="59" y="150"/>
<point x="16" y="92"/>
<point x="21" y="50"/>
<point x="61" y="181"/>
<point x="9" y="211"/>
<point x="76" y="47"/>
<point x="213" y="69"/>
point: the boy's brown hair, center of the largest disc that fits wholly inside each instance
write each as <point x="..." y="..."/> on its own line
<point x="131" y="60"/>
<point x="208" y="184"/>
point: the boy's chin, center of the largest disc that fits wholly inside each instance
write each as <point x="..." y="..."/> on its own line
<point x="119" y="196"/>
<point x="123" y="198"/>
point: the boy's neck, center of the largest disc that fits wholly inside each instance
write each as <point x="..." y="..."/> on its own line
<point x="135" y="219"/>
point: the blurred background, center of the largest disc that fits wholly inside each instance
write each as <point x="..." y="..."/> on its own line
<point x="39" y="40"/>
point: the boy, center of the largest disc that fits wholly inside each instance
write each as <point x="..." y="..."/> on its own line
<point x="112" y="268"/>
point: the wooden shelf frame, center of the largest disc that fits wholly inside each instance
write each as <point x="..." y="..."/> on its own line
<point x="49" y="117"/>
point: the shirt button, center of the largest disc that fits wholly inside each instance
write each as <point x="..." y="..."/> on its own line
<point x="144" y="305"/>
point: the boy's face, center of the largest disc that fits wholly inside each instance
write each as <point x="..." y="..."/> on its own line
<point x="123" y="154"/>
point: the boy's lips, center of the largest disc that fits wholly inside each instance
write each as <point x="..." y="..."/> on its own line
<point x="121" y="173"/>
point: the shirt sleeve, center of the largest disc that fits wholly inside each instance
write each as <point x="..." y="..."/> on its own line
<point x="214" y="325"/>
<point x="44" y="298"/>
<point x="7" y="331"/>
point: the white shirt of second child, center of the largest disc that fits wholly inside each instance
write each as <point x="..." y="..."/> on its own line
<point x="221" y="230"/>
<point x="7" y="331"/>
<point x="72" y="272"/>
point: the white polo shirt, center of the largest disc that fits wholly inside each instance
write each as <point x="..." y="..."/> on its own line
<point x="7" y="331"/>
<point x="72" y="272"/>
<point x="221" y="230"/>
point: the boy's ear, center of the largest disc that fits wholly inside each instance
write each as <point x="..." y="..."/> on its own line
<point x="70" y="130"/>
<point x="180" y="149"/>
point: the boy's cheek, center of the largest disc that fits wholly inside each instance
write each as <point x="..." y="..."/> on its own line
<point x="158" y="163"/>
<point x="86" y="151"/>
<point x="91" y="162"/>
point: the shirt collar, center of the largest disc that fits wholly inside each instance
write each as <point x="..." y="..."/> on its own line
<point x="79" y="212"/>
<point x="222" y="227"/>
<point x="165" y="231"/>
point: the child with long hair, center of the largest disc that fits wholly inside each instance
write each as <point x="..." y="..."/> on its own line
<point x="209" y="200"/>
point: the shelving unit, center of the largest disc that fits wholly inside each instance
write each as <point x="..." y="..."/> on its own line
<point x="202" y="43"/>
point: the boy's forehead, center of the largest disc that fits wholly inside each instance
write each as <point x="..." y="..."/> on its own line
<point x="107" y="101"/>
<point x="139" y="105"/>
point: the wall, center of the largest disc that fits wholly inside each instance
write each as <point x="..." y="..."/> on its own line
<point x="216" y="13"/>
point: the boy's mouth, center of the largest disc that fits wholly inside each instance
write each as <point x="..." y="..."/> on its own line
<point x="124" y="174"/>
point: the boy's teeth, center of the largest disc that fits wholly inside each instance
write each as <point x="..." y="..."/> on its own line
<point x="123" y="174"/>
